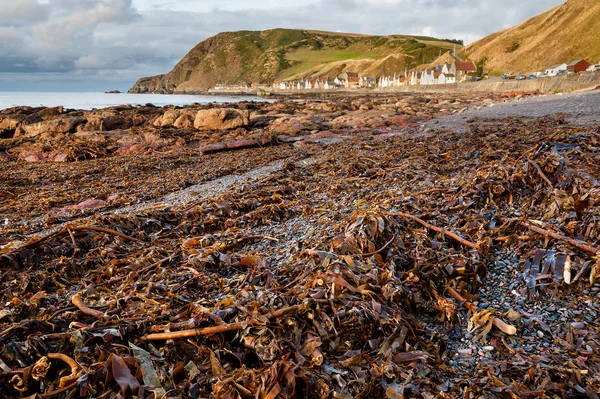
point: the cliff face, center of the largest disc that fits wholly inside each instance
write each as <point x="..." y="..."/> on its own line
<point x="561" y="35"/>
<point x="235" y="57"/>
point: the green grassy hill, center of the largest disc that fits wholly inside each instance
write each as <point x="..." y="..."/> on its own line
<point x="286" y="54"/>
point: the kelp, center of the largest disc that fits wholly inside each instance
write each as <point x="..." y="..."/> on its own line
<point x="357" y="270"/>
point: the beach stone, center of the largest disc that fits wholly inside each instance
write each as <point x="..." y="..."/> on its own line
<point x="221" y="119"/>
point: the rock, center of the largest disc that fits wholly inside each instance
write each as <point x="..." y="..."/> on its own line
<point x="167" y="119"/>
<point x="105" y="121"/>
<point x="466" y="352"/>
<point x="291" y="126"/>
<point x="53" y="126"/>
<point x="185" y="121"/>
<point x="9" y="123"/>
<point x="58" y="156"/>
<point x="88" y="204"/>
<point x="241" y="144"/>
<point x="210" y="148"/>
<point x="221" y="119"/>
<point x="30" y="156"/>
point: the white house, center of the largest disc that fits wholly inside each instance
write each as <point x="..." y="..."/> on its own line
<point x="308" y="84"/>
<point x="384" y="82"/>
<point x="556" y="69"/>
<point x="446" y="78"/>
<point x="414" y="79"/>
<point x="428" y="78"/>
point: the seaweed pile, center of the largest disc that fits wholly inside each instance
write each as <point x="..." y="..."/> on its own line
<point x="358" y="270"/>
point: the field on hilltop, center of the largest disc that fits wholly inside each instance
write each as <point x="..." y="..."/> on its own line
<point x="266" y="56"/>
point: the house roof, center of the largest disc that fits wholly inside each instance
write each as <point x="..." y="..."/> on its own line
<point x="576" y="62"/>
<point x="352" y="74"/>
<point x="465" y="66"/>
<point x="449" y="75"/>
<point x="353" y="79"/>
<point x="556" y="66"/>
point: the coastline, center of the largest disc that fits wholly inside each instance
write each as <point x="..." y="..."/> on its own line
<point x="541" y="85"/>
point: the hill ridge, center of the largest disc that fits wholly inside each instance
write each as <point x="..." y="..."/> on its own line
<point x="285" y="54"/>
<point x="560" y="35"/>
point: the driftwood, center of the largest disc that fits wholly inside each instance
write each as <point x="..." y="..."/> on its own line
<point x="199" y="332"/>
<point x="499" y="323"/>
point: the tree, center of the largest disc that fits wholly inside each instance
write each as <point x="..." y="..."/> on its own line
<point x="481" y="65"/>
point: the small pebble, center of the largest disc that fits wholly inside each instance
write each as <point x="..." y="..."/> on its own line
<point x="540" y="334"/>
<point x="579" y="325"/>
<point x="488" y="348"/>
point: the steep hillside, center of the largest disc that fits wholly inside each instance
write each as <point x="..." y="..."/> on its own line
<point x="246" y="56"/>
<point x="562" y="34"/>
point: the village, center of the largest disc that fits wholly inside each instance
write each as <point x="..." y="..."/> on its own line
<point x="450" y="73"/>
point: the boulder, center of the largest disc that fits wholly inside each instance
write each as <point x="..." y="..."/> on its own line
<point x="9" y="123"/>
<point x="106" y="120"/>
<point x="167" y="119"/>
<point x="185" y="121"/>
<point x="58" y="125"/>
<point x="221" y="119"/>
<point x="292" y="125"/>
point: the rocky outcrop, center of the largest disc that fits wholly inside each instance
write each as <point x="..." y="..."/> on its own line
<point x="221" y="119"/>
<point x="53" y="126"/>
<point x="57" y="135"/>
<point x="152" y="84"/>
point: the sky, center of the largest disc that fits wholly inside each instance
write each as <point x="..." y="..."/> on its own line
<point x="100" y="45"/>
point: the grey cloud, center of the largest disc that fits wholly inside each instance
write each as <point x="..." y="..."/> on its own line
<point x="21" y="11"/>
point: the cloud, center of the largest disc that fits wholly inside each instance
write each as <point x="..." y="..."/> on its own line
<point x="20" y="11"/>
<point x="127" y="39"/>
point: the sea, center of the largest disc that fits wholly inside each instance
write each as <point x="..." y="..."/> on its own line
<point x="88" y="101"/>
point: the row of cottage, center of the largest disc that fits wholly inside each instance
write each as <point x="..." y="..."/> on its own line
<point x="441" y="74"/>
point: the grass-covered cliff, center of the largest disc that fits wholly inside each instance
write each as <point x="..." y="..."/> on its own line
<point x="560" y="35"/>
<point x="247" y="56"/>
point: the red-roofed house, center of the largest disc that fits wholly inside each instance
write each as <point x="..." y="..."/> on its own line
<point x="352" y="80"/>
<point x="462" y="69"/>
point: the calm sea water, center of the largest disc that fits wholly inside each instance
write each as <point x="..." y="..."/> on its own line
<point x="102" y="100"/>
